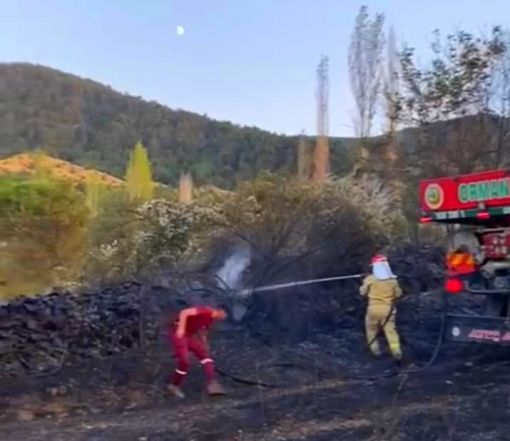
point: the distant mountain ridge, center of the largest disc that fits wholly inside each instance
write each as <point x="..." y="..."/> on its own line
<point x="94" y="126"/>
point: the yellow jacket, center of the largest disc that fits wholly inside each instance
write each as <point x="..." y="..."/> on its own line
<point x="380" y="291"/>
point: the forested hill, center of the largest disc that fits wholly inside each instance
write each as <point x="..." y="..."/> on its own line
<point x="92" y="125"/>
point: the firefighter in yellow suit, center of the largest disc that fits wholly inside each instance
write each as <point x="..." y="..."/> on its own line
<point x="382" y="290"/>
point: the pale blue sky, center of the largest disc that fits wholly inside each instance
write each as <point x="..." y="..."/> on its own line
<point x="249" y="61"/>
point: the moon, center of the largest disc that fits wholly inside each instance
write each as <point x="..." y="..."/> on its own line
<point x="180" y="31"/>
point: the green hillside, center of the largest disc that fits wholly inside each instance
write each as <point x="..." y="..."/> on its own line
<point x="92" y="125"/>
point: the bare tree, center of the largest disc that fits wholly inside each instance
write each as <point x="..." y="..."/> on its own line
<point x="185" y="194"/>
<point x="391" y="103"/>
<point x="321" y="165"/>
<point x="365" y="68"/>
<point x="500" y="105"/>
<point x="391" y="82"/>
<point x="303" y="158"/>
<point x="448" y="103"/>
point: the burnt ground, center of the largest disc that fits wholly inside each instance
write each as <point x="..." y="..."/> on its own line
<point x="463" y="396"/>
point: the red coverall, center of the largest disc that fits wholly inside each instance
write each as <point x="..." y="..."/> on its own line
<point x="193" y="342"/>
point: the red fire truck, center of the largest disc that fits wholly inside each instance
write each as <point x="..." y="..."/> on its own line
<point x="476" y="210"/>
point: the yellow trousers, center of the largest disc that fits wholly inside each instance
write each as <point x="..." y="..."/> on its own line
<point x="377" y="316"/>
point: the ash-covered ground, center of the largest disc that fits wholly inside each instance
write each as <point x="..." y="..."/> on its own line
<point x="94" y="367"/>
<point x="463" y="396"/>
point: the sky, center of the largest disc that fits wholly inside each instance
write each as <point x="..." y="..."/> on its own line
<point x="252" y="62"/>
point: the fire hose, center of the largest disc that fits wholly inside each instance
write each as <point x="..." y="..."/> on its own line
<point x="392" y="373"/>
<point x="226" y="290"/>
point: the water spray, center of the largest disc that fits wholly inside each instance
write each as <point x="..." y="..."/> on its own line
<point x="229" y="279"/>
<point x="249" y="291"/>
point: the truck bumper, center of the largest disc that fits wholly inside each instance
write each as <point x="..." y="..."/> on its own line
<point x="477" y="329"/>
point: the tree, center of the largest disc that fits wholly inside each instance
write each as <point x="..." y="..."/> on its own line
<point x="139" y="183"/>
<point x="112" y="239"/>
<point x="365" y="68"/>
<point x="391" y="103"/>
<point x="44" y="228"/>
<point x="93" y="125"/>
<point x="93" y="191"/>
<point x="303" y="158"/>
<point x="449" y="103"/>
<point x="185" y="194"/>
<point x="321" y="161"/>
<point x="500" y="104"/>
<point x="391" y="82"/>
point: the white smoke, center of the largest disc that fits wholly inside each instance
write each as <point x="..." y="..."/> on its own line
<point x="232" y="270"/>
<point x="231" y="274"/>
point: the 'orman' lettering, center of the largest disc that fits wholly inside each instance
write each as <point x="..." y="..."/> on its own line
<point x="484" y="190"/>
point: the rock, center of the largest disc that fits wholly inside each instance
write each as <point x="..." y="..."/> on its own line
<point x="24" y="415"/>
<point x="53" y="391"/>
<point x="56" y="408"/>
<point x="63" y="390"/>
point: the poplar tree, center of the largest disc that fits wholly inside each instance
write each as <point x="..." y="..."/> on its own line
<point x="303" y="158"/>
<point x="93" y="194"/>
<point x="139" y="183"/>
<point x="365" y="71"/>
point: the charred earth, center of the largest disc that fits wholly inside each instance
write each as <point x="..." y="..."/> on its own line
<point x="94" y="366"/>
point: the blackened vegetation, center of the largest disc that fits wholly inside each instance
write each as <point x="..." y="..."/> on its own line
<point x="97" y="363"/>
<point x="40" y="333"/>
<point x="43" y="333"/>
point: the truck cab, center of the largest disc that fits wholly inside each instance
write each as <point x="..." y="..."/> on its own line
<point x="475" y="210"/>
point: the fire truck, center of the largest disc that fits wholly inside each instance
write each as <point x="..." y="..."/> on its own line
<point x="476" y="211"/>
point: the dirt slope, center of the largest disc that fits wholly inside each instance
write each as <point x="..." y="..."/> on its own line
<point x="28" y="163"/>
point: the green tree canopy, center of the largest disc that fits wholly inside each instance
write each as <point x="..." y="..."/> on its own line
<point x="43" y="224"/>
<point x="139" y="183"/>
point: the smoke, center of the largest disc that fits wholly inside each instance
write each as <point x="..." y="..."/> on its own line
<point x="231" y="275"/>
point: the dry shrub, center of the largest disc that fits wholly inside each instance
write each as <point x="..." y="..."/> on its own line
<point x="287" y="222"/>
<point x="112" y="240"/>
<point x="290" y="224"/>
<point x="380" y="202"/>
<point x="130" y="240"/>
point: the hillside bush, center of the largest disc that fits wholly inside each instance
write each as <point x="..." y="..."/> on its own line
<point x="128" y="239"/>
<point x="111" y="240"/>
<point x="287" y="221"/>
<point x="103" y="236"/>
<point x="43" y="226"/>
<point x="280" y="218"/>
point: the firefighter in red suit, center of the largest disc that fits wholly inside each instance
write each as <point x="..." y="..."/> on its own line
<point x="188" y="333"/>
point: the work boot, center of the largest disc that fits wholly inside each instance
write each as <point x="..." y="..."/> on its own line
<point x="215" y="388"/>
<point x="176" y="391"/>
<point x="398" y="359"/>
<point x="376" y="353"/>
<point x="397" y="355"/>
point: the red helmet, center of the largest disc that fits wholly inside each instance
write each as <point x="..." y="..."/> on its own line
<point x="379" y="258"/>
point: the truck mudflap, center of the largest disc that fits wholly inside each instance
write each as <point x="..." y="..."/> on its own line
<point x="477" y="329"/>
